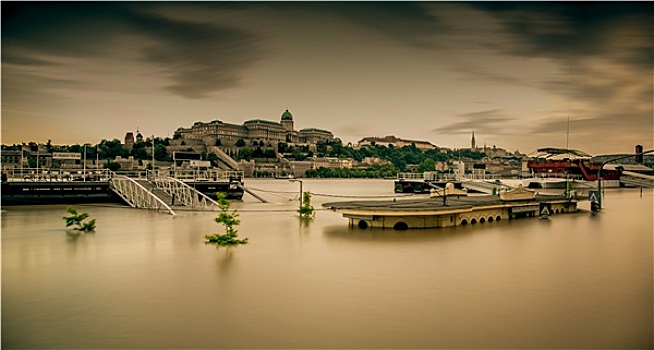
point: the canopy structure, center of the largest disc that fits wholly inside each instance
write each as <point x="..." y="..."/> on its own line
<point x="559" y="153"/>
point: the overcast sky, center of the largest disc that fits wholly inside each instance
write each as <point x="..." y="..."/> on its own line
<point x="512" y="72"/>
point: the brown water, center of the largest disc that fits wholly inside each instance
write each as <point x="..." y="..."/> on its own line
<point x="147" y="280"/>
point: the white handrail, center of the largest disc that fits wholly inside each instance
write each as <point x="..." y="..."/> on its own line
<point x="185" y="193"/>
<point x="136" y="195"/>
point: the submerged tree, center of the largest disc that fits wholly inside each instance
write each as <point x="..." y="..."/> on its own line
<point x="77" y="219"/>
<point x="228" y="220"/>
<point x="306" y="209"/>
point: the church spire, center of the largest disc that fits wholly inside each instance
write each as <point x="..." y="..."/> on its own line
<point x="473" y="143"/>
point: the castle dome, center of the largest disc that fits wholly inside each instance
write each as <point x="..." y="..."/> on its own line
<point x="287" y="115"/>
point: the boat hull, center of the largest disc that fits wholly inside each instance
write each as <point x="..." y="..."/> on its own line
<point x="562" y="184"/>
<point x="210" y="188"/>
<point x="422" y="186"/>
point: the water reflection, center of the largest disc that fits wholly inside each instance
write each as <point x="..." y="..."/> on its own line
<point x="73" y="235"/>
<point x="305" y="224"/>
<point x="390" y="236"/>
<point x="224" y="258"/>
<point x="148" y="280"/>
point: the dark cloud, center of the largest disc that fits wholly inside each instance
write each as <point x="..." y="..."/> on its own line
<point x="407" y="22"/>
<point x="574" y="29"/>
<point x="197" y="58"/>
<point x="604" y="53"/>
<point x="59" y="28"/>
<point x="487" y="122"/>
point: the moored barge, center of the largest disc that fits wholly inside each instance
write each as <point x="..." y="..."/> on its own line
<point x="449" y="211"/>
<point x="68" y="186"/>
<point x="557" y="167"/>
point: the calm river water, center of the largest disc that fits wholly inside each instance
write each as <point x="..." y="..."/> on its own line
<point x="147" y="280"/>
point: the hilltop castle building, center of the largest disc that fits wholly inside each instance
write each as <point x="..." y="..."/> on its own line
<point x="269" y="132"/>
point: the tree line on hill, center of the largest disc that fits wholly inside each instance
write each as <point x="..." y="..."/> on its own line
<point x="399" y="159"/>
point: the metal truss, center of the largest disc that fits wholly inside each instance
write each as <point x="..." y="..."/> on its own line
<point x="136" y="195"/>
<point x="184" y="194"/>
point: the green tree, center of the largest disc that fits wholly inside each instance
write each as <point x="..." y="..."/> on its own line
<point x="427" y="165"/>
<point x="257" y="153"/>
<point x="113" y="166"/>
<point x="297" y="154"/>
<point x="312" y="173"/>
<point x="213" y="158"/>
<point x="161" y="153"/>
<point x="229" y="221"/>
<point x="282" y="147"/>
<point x="269" y="153"/>
<point x="306" y="210"/>
<point x="140" y="153"/>
<point x="77" y="219"/>
<point x="245" y="153"/>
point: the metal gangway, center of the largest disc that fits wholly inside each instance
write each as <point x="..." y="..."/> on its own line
<point x="136" y="195"/>
<point x="160" y="193"/>
<point x="183" y="194"/>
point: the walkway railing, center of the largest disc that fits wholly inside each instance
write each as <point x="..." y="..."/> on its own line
<point x="56" y="175"/>
<point x="136" y="195"/>
<point x="202" y="175"/>
<point x="484" y="186"/>
<point x="427" y="175"/>
<point x="184" y="194"/>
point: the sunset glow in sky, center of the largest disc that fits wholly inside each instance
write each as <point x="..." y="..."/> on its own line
<point x="512" y="72"/>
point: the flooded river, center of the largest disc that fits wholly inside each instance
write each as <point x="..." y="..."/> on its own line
<point x="148" y="280"/>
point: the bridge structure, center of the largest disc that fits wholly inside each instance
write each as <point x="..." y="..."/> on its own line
<point x="159" y="190"/>
<point x="136" y="195"/>
<point x="633" y="179"/>
<point x="160" y="193"/>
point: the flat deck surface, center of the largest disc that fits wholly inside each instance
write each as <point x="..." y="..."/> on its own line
<point x="436" y="203"/>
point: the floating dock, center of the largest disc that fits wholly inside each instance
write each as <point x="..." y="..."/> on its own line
<point x="451" y="210"/>
<point x="58" y="186"/>
<point x="65" y="192"/>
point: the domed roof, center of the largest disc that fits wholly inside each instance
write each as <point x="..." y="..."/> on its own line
<point x="287" y="115"/>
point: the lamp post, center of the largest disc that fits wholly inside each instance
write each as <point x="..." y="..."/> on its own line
<point x="301" y="193"/>
<point x="153" y="173"/>
<point x="84" y="165"/>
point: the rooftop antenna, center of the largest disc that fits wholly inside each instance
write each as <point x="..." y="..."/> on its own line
<point x="567" y="148"/>
<point x="567" y="138"/>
